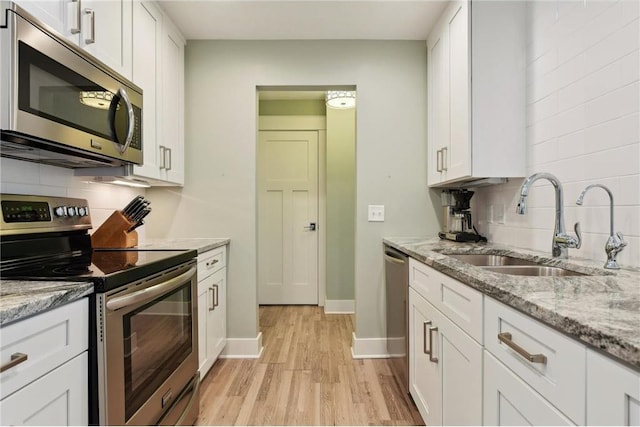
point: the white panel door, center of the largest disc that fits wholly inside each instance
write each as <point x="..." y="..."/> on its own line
<point x="287" y="205"/>
<point x="438" y="102"/>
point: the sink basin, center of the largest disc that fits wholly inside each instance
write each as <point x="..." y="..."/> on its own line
<point x="483" y="260"/>
<point x="533" y="270"/>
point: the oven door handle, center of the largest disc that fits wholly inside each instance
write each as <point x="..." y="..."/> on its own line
<point x="150" y="293"/>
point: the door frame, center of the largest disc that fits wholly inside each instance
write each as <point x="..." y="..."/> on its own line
<point x="319" y="124"/>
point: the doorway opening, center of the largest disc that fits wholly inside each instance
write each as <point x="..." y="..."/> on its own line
<point x="306" y="199"/>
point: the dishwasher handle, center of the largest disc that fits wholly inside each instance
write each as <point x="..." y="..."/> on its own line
<point x="390" y="257"/>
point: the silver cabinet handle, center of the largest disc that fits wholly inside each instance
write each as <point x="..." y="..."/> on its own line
<point x="16" y="359"/>
<point x="91" y="13"/>
<point x="162" y="156"/>
<point x="438" y="161"/>
<point x="444" y="159"/>
<point x="431" y="356"/>
<point x="216" y="301"/>
<point x="212" y="306"/>
<point x="424" y="337"/>
<point x="212" y="263"/>
<point x="506" y="338"/>
<point x="76" y="30"/>
<point x="170" y="159"/>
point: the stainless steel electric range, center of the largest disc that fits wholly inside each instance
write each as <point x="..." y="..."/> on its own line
<point x="143" y="351"/>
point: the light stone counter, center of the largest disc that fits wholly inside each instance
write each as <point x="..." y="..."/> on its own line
<point x="601" y="310"/>
<point x="20" y="299"/>
<point x="200" y="244"/>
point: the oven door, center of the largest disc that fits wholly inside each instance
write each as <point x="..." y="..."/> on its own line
<point x="149" y="349"/>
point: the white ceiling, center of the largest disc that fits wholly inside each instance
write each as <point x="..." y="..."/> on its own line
<point x="304" y="19"/>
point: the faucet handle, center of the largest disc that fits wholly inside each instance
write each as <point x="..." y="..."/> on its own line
<point x="576" y="227"/>
<point x="621" y="239"/>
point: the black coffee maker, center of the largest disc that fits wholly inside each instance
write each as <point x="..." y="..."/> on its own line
<point x="457" y="221"/>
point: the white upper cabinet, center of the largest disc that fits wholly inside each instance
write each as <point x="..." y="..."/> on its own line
<point x="106" y="32"/>
<point x="101" y="27"/>
<point x="476" y="93"/>
<point x="158" y="68"/>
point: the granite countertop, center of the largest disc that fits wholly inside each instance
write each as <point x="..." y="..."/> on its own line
<point x="200" y="244"/>
<point x="601" y="310"/>
<point x="20" y="299"/>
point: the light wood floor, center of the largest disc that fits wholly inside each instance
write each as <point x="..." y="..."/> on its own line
<point x="305" y="376"/>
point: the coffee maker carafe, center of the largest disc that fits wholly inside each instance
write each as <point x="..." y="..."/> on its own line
<point x="457" y="219"/>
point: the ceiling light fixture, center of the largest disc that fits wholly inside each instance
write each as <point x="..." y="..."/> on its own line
<point x="342" y="99"/>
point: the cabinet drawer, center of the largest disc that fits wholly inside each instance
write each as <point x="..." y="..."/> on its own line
<point x="48" y="339"/>
<point x="211" y="261"/>
<point x="560" y="378"/>
<point x="460" y="303"/>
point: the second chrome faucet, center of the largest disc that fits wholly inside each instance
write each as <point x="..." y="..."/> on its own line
<point x="616" y="242"/>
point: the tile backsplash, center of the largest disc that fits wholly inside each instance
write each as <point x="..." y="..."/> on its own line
<point x="583" y="126"/>
<point x="20" y="177"/>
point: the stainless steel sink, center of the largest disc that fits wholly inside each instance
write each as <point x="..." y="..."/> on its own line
<point x="483" y="260"/>
<point x="533" y="270"/>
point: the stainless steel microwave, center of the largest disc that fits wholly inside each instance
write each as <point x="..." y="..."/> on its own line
<point x="60" y="105"/>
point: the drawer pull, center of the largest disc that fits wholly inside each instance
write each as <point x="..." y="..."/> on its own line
<point x="212" y="263"/>
<point x="16" y="359"/>
<point x="505" y="337"/>
<point x="424" y="337"/>
<point x="431" y="331"/>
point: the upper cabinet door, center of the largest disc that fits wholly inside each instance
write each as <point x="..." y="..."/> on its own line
<point x="147" y="67"/>
<point x="173" y="103"/>
<point x="106" y="32"/>
<point x="449" y="104"/>
<point x="457" y="158"/>
<point x="63" y="16"/>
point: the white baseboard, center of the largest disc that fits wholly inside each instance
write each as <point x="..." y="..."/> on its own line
<point x="369" y="348"/>
<point x="339" y="306"/>
<point x="243" y="348"/>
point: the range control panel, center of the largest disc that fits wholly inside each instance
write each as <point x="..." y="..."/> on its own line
<point x="36" y="214"/>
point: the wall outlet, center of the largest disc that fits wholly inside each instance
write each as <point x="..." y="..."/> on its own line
<point x="376" y="213"/>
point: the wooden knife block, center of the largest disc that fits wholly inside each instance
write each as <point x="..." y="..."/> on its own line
<point x="113" y="233"/>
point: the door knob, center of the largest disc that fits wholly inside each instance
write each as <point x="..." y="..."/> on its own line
<point x="311" y="226"/>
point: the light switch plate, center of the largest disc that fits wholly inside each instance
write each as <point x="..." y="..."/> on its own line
<point x="376" y="213"/>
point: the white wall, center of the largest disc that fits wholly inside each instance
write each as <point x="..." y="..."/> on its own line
<point x="19" y="177"/>
<point x="219" y="196"/>
<point x="583" y="126"/>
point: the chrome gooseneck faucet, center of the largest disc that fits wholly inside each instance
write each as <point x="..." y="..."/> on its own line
<point x="616" y="242"/>
<point x="561" y="240"/>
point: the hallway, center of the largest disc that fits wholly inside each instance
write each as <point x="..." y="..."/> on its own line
<point x="305" y="376"/>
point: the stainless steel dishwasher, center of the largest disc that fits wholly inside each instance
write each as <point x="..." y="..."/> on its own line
<point x="396" y="269"/>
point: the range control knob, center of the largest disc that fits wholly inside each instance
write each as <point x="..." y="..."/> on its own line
<point x="71" y="211"/>
<point x="83" y="211"/>
<point x="60" y="211"/>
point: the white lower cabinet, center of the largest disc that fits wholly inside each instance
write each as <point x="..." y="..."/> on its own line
<point x="613" y="392"/>
<point x="212" y="307"/>
<point x="50" y="385"/>
<point x="445" y="367"/>
<point x="509" y="401"/>
<point x="59" y="398"/>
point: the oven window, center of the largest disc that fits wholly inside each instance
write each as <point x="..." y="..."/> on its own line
<point x="51" y="90"/>
<point x="157" y="339"/>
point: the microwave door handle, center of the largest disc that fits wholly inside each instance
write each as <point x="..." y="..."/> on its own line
<point x="122" y="93"/>
<point x="150" y="293"/>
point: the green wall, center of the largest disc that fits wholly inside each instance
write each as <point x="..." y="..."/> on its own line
<point x="303" y="107"/>
<point x="341" y="203"/>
